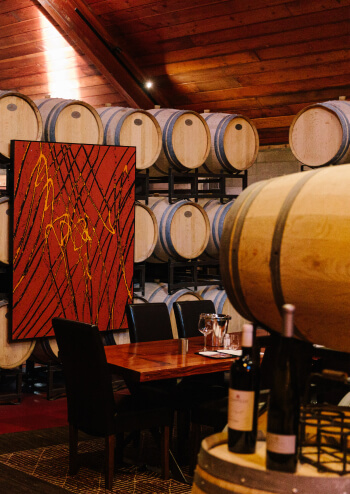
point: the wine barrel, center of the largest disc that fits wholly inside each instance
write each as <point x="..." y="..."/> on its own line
<point x="223" y="306"/>
<point x="186" y="140"/>
<point x="158" y="292"/>
<point x="130" y="127"/>
<point x="286" y="240"/>
<point x="216" y="212"/>
<point x="146" y="232"/>
<point x="183" y="230"/>
<point x="45" y="351"/>
<point x="220" y="471"/>
<point x="19" y="119"/>
<point x="320" y="134"/>
<point x="12" y="354"/>
<point x="4" y="230"/>
<point x="67" y="120"/>
<point x="234" y="143"/>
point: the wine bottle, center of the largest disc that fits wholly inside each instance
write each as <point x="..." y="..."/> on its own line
<point x="283" y="408"/>
<point x="243" y="398"/>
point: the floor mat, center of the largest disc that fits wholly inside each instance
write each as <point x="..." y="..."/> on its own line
<point x="50" y="463"/>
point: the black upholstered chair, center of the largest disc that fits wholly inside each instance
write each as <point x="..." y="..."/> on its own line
<point x="187" y="315"/>
<point x="92" y="406"/>
<point x="148" y="322"/>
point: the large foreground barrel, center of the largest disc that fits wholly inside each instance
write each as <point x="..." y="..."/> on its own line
<point x="12" y="354"/>
<point x="221" y="472"/>
<point x="286" y="240"/>
<point x="186" y="140"/>
<point x="4" y="230"/>
<point x="158" y="292"/>
<point x="130" y="127"/>
<point x="320" y="134"/>
<point x="234" y="143"/>
<point x="146" y="232"/>
<point x="19" y="119"/>
<point x="67" y="120"/>
<point x="183" y="230"/>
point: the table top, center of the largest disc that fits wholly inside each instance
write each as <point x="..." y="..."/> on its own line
<point x="148" y="361"/>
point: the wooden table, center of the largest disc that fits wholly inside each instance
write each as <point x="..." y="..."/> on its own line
<point x="143" y="362"/>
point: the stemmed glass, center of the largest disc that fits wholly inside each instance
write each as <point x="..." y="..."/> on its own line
<point x="205" y="326"/>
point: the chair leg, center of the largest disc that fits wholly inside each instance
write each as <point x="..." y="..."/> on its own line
<point x="73" y="449"/>
<point x="119" y="449"/>
<point x="165" y="445"/>
<point x="109" y="460"/>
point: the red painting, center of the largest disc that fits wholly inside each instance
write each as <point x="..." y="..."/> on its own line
<point x="73" y="235"/>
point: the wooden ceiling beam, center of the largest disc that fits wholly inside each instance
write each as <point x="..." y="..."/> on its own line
<point x="75" y="19"/>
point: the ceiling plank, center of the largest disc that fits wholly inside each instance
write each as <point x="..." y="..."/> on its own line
<point x="65" y="13"/>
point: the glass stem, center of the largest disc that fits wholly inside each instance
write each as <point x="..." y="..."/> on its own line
<point x="205" y="342"/>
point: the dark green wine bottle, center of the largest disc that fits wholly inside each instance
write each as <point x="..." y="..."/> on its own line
<point x="243" y="398"/>
<point x="283" y="408"/>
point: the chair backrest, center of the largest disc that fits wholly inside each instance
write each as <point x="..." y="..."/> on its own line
<point x="90" y="400"/>
<point x="149" y="322"/>
<point x="187" y="316"/>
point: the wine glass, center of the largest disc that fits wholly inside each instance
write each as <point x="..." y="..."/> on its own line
<point x="205" y="326"/>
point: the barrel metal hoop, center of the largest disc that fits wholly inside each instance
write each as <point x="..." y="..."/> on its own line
<point x="158" y="112"/>
<point x="52" y="118"/>
<point x="206" y="116"/>
<point x="219" y="142"/>
<point x="157" y="290"/>
<point x="275" y="267"/>
<point x="219" y="301"/>
<point x="216" y="238"/>
<point x="224" y="212"/>
<point x="345" y="143"/>
<point x="109" y="121"/>
<point x="119" y="126"/>
<point x="167" y="141"/>
<point x="245" y="202"/>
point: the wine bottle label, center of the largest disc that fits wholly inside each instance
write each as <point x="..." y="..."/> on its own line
<point x="280" y="443"/>
<point x="240" y="410"/>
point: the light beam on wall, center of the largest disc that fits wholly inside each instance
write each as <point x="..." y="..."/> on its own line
<point x="61" y="68"/>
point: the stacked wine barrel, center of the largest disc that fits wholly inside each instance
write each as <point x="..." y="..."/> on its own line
<point x="320" y="134"/>
<point x="53" y="120"/>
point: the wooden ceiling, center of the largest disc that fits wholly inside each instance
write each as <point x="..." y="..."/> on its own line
<point x="265" y="59"/>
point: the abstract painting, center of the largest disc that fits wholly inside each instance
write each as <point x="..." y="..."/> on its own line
<point x="73" y="235"/>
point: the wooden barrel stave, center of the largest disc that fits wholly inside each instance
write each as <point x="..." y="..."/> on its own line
<point x="12" y="354"/>
<point x="234" y="143"/>
<point x="158" y="292"/>
<point x="286" y="240"/>
<point x="320" y="134"/>
<point x="71" y="121"/>
<point x="183" y="230"/>
<point x="185" y="140"/>
<point x="133" y="127"/>
<point x="20" y="119"/>
<point x="4" y="230"/>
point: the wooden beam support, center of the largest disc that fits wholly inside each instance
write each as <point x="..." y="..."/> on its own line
<point x="75" y="19"/>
